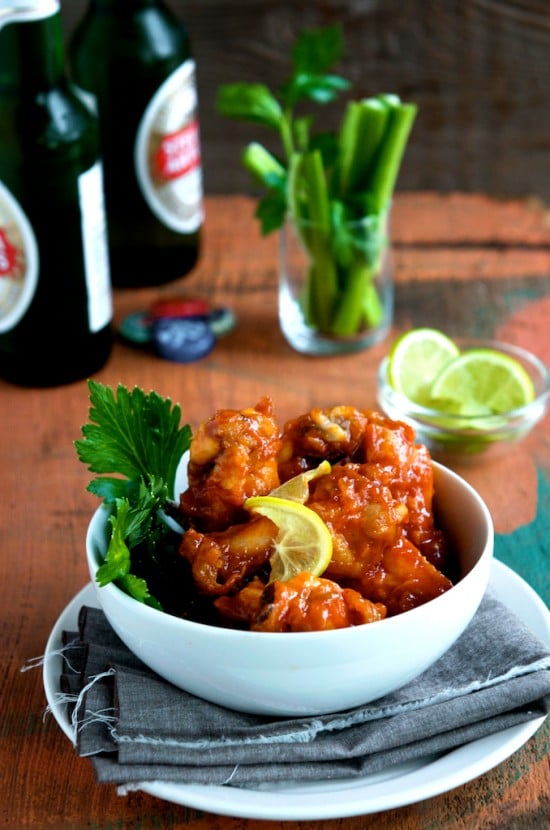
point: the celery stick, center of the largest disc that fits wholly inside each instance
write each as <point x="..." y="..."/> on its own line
<point x="349" y="313"/>
<point x="323" y="282"/>
<point x="373" y="309"/>
<point x="310" y="212"/>
<point x="316" y="188"/>
<point x="359" y="301"/>
<point x="263" y="165"/>
<point x="362" y="130"/>
<point x="389" y="99"/>
<point x="391" y="153"/>
<point x="360" y="304"/>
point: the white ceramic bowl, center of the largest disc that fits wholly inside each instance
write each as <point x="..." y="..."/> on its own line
<point x="311" y="672"/>
<point x="470" y="438"/>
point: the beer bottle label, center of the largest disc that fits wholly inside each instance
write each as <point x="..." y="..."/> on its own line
<point x="167" y="153"/>
<point x="94" y="241"/>
<point x="18" y="261"/>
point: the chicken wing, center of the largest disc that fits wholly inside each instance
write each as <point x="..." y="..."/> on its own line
<point x="303" y="603"/>
<point x="403" y="580"/>
<point x="221" y="561"/>
<point x="233" y="455"/>
<point x="362" y="515"/>
<point x="336" y="433"/>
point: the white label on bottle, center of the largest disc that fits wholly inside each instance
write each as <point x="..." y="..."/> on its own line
<point x="94" y="240"/>
<point x="167" y="153"/>
<point x="18" y="261"/>
<point x="25" y="11"/>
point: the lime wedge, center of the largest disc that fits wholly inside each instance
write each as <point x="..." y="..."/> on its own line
<point x="480" y="382"/>
<point x="416" y="359"/>
<point x="303" y="541"/>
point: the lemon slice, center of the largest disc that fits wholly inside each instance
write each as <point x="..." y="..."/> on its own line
<point x="415" y="360"/>
<point x="303" y="541"/>
<point x="482" y="381"/>
<point x="297" y="487"/>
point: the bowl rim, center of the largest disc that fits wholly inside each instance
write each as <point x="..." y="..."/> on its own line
<point x="466" y="424"/>
<point x="298" y="636"/>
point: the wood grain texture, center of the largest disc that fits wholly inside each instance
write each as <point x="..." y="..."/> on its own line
<point x="478" y="70"/>
<point x="44" y="508"/>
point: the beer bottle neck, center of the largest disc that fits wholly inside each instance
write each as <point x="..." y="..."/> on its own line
<point x="42" y="52"/>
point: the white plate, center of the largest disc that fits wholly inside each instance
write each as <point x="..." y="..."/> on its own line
<point x="402" y="785"/>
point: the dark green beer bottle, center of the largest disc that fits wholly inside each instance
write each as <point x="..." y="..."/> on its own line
<point x="55" y="292"/>
<point x="132" y="58"/>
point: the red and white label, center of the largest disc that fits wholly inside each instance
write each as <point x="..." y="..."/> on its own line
<point x="8" y="255"/>
<point x="167" y="153"/>
<point x="179" y="152"/>
<point x="18" y="261"/>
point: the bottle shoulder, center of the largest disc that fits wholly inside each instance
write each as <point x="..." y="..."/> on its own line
<point x="57" y="118"/>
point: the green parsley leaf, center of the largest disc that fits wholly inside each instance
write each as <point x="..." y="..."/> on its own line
<point x="138" y="437"/>
<point x="111" y="489"/>
<point x="132" y="434"/>
<point x="117" y="559"/>
<point x="137" y="588"/>
<point x="132" y="524"/>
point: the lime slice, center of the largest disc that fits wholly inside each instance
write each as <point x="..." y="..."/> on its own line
<point x="415" y="360"/>
<point x="303" y="541"/>
<point x="480" y="382"/>
<point x="297" y="487"/>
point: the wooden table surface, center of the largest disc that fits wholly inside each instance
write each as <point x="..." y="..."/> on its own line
<point x="464" y="263"/>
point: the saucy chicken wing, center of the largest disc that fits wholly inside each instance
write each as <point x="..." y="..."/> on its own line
<point x="395" y="460"/>
<point x="222" y="560"/>
<point x="233" y="455"/>
<point x="303" y="603"/>
<point x="362" y="515"/>
<point x="335" y="434"/>
<point x="403" y="580"/>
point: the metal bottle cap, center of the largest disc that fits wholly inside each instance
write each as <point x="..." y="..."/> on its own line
<point x="183" y="339"/>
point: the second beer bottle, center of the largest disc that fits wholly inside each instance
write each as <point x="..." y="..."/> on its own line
<point x="131" y="59"/>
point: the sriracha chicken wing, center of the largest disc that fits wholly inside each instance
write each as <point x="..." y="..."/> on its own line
<point x="404" y="579"/>
<point x="239" y="609"/>
<point x="221" y="561"/>
<point x="303" y="603"/>
<point x="335" y="434"/>
<point x="362" y="516"/>
<point x="395" y="460"/>
<point x="232" y="456"/>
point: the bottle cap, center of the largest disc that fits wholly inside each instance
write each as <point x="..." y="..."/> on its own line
<point x="222" y="321"/>
<point x="183" y="339"/>
<point x="137" y="327"/>
<point x="180" y="307"/>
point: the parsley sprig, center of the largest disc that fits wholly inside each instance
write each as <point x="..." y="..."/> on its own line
<point x="138" y="437"/>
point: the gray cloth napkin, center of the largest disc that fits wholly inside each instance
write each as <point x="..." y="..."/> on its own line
<point x="135" y="727"/>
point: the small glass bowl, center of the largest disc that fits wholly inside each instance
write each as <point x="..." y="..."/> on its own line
<point x="470" y="437"/>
